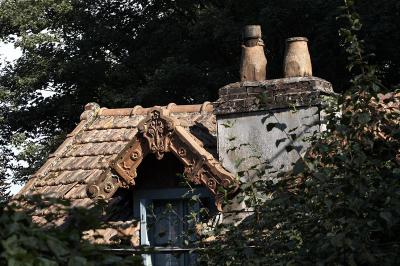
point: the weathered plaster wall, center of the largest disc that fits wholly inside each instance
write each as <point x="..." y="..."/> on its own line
<point x="263" y="127"/>
<point x="265" y="143"/>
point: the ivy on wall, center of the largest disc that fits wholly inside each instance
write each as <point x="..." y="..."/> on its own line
<point x="341" y="203"/>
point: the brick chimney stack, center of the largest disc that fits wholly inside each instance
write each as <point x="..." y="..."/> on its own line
<point x="262" y="124"/>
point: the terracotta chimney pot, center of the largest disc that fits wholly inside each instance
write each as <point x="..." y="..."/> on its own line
<point x="297" y="61"/>
<point x="253" y="63"/>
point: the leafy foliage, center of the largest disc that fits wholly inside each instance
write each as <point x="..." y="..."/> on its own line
<point x="343" y="206"/>
<point x="25" y="243"/>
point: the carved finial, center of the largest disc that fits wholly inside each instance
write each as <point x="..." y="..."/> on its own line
<point x="253" y="63"/>
<point x="205" y="106"/>
<point x="156" y="129"/>
<point x="90" y="110"/>
<point x="297" y="61"/>
<point x="92" y="106"/>
<point x="170" y="105"/>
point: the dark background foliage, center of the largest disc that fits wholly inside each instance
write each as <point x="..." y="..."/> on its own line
<point x="124" y="53"/>
<point x="343" y="208"/>
<point x="24" y="243"/>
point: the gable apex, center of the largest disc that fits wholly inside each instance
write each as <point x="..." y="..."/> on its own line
<point x="158" y="134"/>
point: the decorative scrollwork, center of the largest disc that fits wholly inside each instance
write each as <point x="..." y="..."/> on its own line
<point x="135" y="155"/>
<point x="127" y="162"/>
<point x="182" y="152"/>
<point x="105" y="187"/>
<point x="126" y="165"/>
<point x="211" y="184"/>
<point x="108" y="187"/>
<point x="159" y="133"/>
<point x="93" y="191"/>
<point x="194" y="171"/>
<point x="157" y="129"/>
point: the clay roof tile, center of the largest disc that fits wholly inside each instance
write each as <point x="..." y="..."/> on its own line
<point x="88" y="152"/>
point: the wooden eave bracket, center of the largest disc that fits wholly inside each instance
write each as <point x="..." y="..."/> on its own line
<point x="105" y="187"/>
<point x="160" y="133"/>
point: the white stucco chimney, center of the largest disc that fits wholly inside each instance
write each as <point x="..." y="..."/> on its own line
<point x="262" y="124"/>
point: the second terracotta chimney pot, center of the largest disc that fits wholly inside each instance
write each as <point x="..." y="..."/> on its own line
<point x="297" y="60"/>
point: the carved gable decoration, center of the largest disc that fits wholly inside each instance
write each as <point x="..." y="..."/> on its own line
<point x="159" y="133"/>
<point x="157" y="129"/>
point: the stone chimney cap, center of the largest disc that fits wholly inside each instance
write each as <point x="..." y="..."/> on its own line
<point x="296" y="39"/>
<point x="252" y="32"/>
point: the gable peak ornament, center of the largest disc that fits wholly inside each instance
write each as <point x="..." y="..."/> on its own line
<point x="157" y="129"/>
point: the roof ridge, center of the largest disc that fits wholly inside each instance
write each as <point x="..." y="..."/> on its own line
<point x="206" y="107"/>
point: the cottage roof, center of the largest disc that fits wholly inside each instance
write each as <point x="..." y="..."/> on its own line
<point x="102" y="153"/>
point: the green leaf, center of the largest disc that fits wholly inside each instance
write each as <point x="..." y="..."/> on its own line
<point x="57" y="247"/>
<point x="363" y="118"/>
<point x="238" y="162"/>
<point x="47" y="262"/>
<point x="387" y="216"/>
<point x="299" y="167"/>
<point x="77" y="261"/>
